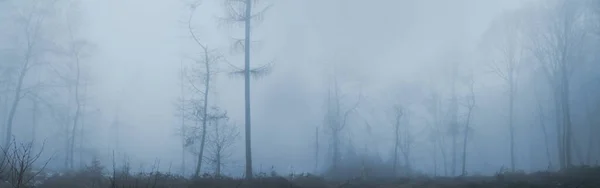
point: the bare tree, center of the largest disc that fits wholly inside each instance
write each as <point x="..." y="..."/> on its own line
<point x="406" y="143"/>
<point x="542" y="122"/>
<point x="336" y="120"/>
<point x="591" y="108"/>
<point x="181" y="108"/>
<point x="557" y="37"/>
<point x="17" y="164"/>
<point x="221" y="139"/>
<point x="454" y="128"/>
<point x="398" y="113"/>
<point x="204" y="77"/>
<point x="434" y="107"/>
<point x="316" y="149"/>
<point x="469" y="104"/>
<point x="241" y="11"/>
<point x="29" y="53"/>
<point x="507" y="53"/>
<point x="77" y="50"/>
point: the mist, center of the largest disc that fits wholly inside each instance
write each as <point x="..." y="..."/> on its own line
<point x="418" y="76"/>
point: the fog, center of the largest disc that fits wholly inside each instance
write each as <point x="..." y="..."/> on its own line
<point x="382" y="53"/>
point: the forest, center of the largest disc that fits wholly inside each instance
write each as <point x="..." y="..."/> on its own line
<point x="299" y="93"/>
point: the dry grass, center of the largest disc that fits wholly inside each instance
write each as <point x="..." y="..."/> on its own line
<point x="582" y="177"/>
<point x="16" y="172"/>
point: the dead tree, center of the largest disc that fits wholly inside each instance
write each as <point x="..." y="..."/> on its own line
<point x="406" y="143"/>
<point x="316" y="149"/>
<point x="200" y="82"/>
<point x="17" y="164"/>
<point x="32" y="24"/>
<point x="454" y="129"/>
<point x="469" y="104"/>
<point x="398" y="113"/>
<point x="557" y="38"/>
<point x="241" y="12"/>
<point x="542" y="122"/>
<point x="434" y="107"/>
<point x="181" y="108"/>
<point x="222" y="137"/>
<point x="77" y="50"/>
<point x="507" y="52"/>
<point x="336" y="120"/>
<point x="592" y="121"/>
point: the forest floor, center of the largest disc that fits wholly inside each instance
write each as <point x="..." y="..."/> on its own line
<point x="581" y="177"/>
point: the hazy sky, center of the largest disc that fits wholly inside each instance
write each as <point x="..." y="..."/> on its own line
<point x="376" y="44"/>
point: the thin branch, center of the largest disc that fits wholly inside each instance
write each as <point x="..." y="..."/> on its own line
<point x="347" y="113"/>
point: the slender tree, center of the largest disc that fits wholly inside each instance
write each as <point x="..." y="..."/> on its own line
<point x="77" y="51"/>
<point x="336" y="120"/>
<point x="557" y="36"/>
<point x="398" y="113"/>
<point x="406" y="143"/>
<point x="241" y="11"/>
<point x="454" y="129"/>
<point x="29" y="52"/>
<point x="222" y="137"/>
<point x="208" y="63"/>
<point x="434" y="108"/>
<point x="469" y="104"/>
<point x="507" y="53"/>
<point x="542" y="122"/>
<point x="316" y="149"/>
<point x="182" y="115"/>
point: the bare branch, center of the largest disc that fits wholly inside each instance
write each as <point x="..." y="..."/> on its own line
<point x="256" y="73"/>
<point x="236" y="15"/>
<point x="191" y="30"/>
<point x="347" y="113"/>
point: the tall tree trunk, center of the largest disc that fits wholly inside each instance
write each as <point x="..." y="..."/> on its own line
<point x="559" y="125"/>
<point x="396" y="141"/>
<point x="335" y="124"/>
<point x="67" y="145"/>
<point x="16" y="100"/>
<point x="406" y="154"/>
<point x="219" y="148"/>
<point x="34" y="113"/>
<point x="81" y="129"/>
<point x="465" y="139"/>
<point x="316" y="150"/>
<point x="248" y="17"/>
<point x="545" y="132"/>
<point x="454" y="118"/>
<point x="76" y="115"/>
<point x="218" y="170"/>
<point x="454" y="148"/>
<point x="204" y="112"/>
<point x="183" y="131"/>
<point x="567" y="116"/>
<point x="435" y="168"/>
<point x="591" y="132"/>
<point x="444" y="157"/>
<point x="511" y="99"/>
<point x="336" y="150"/>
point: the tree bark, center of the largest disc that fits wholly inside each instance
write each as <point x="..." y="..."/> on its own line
<point x="77" y="112"/>
<point x="567" y="116"/>
<point x="464" y="156"/>
<point x="511" y="102"/>
<point x="316" y="150"/>
<point x="545" y="132"/>
<point x="396" y="141"/>
<point x="15" y="102"/>
<point x="248" y="17"/>
<point x="204" y="112"/>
